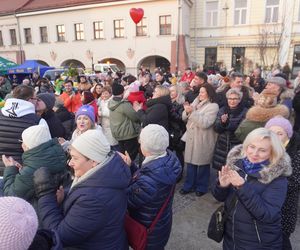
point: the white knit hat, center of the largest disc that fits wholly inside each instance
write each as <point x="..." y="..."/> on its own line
<point x="18" y="225"/>
<point x="36" y="135"/>
<point x="93" y="145"/>
<point x="154" y="139"/>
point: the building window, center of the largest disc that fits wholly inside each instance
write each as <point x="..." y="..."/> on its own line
<point x="79" y="31"/>
<point x="44" y="34"/>
<point x="212" y="13"/>
<point x="165" y="25"/>
<point x="141" y="28"/>
<point x="61" y="33"/>
<point x="240" y="12"/>
<point x="1" y="38"/>
<point x="210" y="57"/>
<point x="98" y="30"/>
<point x="272" y="9"/>
<point x="27" y="33"/>
<point x="119" y="28"/>
<point x="13" y="37"/>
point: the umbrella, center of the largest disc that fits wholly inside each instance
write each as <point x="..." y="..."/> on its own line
<point x="5" y="65"/>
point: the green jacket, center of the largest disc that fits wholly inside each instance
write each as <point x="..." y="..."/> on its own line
<point x="124" y="121"/>
<point x="246" y="127"/>
<point x="5" y="88"/>
<point x="20" y="183"/>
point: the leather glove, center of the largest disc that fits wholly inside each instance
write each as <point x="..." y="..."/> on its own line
<point x="43" y="182"/>
<point x="62" y="179"/>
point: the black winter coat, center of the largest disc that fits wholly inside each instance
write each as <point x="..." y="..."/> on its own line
<point x="55" y="125"/>
<point x="157" y="112"/>
<point x="192" y="94"/>
<point x="296" y="107"/>
<point x="68" y="121"/>
<point x="11" y="129"/>
<point x="226" y="138"/>
<point x="290" y="207"/>
<point x="177" y="126"/>
<point x="147" y="192"/>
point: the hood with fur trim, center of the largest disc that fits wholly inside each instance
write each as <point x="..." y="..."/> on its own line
<point x="260" y="114"/>
<point x="268" y="173"/>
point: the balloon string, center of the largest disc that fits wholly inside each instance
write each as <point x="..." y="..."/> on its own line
<point x="135" y="48"/>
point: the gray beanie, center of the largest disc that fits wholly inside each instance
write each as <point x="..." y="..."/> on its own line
<point x="93" y="145"/>
<point x="48" y="99"/>
<point x="277" y="80"/>
<point x="154" y="139"/>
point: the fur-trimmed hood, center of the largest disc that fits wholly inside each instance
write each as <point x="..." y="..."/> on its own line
<point x="267" y="174"/>
<point x="260" y="114"/>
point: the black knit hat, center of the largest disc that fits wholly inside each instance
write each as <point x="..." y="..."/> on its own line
<point x="48" y="99"/>
<point x="117" y="89"/>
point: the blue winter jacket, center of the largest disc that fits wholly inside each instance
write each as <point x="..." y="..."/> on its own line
<point x="254" y="222"/>
<point x="148" y="191"/>
<point x="92" y="216"/>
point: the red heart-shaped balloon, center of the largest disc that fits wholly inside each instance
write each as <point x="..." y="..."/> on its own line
<point x="136" y="14"/>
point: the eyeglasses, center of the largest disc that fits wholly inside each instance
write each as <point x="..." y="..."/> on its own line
<point x="233" y="99"/>
<point x="33" y="98"/>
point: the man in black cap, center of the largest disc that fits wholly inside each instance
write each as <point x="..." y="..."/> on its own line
<point x="124" y="122"/>
<point x="199" y="79"/>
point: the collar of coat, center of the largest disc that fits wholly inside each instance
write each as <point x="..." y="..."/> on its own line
<point x="268" y="173"/>
<point x="260" y="114"/>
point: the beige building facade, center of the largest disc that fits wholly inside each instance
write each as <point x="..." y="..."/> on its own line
<point x="245" y="33"/>
<point x="85" y="34"/>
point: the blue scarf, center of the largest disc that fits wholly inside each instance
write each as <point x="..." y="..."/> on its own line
<point x="251" y="168"/>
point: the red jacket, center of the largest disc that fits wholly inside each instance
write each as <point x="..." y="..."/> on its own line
<point x="187" y="77"/>
<point x="72" y="104"/>
<point x="137" y="97"/>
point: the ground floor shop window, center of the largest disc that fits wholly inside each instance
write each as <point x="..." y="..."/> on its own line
<point x="238" y="55"/>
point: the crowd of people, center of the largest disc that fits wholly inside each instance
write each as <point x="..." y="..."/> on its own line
<point x="77" y="157"/>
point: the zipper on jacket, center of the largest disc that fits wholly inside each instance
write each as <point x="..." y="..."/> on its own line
<point x="257" y="233"/>
<point x="233" y="223"/>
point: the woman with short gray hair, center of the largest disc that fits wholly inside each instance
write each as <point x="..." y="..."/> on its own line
<point x="235" y="91"/>
<point x="228" y="119"/>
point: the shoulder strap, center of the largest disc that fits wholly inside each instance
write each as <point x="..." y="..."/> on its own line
<point x="150" y="229"/>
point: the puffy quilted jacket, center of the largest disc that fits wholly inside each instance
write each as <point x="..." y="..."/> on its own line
<point x="147" y="192"/>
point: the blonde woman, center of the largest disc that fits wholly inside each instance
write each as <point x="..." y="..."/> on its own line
<point x="254" y="180"/>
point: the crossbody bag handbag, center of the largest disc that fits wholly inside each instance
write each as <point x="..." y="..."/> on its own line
<point x="217" y="221"/>
<point x="137" y="233"/>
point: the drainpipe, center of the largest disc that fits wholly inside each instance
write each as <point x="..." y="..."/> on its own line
<point x="20" y="38"/>
<point x="177" y="36"/>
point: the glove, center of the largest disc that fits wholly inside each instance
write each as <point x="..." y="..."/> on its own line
<point x="43" y="182"/>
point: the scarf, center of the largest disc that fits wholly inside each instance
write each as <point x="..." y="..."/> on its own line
<point x="251" y="168"/>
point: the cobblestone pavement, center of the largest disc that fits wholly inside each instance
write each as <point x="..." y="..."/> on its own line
<point x="191" y="215"/>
